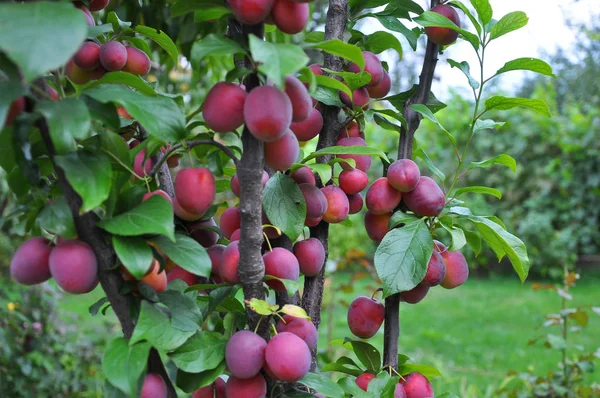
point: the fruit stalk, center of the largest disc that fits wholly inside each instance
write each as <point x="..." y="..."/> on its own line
<point x="391" y="331"/>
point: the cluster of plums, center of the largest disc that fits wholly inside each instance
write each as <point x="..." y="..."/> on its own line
<point x="71" y="262"/>
<point x="378" y="87"/>
<point x="413" y="385"/>
<point x="290" y="16"/>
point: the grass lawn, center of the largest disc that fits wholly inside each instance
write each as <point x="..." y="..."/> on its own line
<point x="476" y="333"/>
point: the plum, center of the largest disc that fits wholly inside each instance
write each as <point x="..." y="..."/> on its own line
<point x="288" y="357"/>
<point x="281" y="154"/>
<point x="73" y="266"/>
<point x="245" y="354"/>
<point x="301" y="327"/>
<point x="180" y="273"/>
<point x="268" y="113"/>
<point x="223" y="108"/>
<point x="299" y="97"/>
<point x="154" y="387"/>
<point x="195" y="189"/>
<point x="200" y="233"/>
<point x="230" y="221"/>
<point x="427" y="199"/>
<point x="372" y="66"/>
<point x="417" y="386"/>
<point x="382" y="88"/>
<point x="457" y="269"/>
<point x="376" y="225"/>
<point x="30" y="263"/>
<point x="290" y="16"/>
<point x="304" y="175"/>
<point x="443" y="36"/>
<point x="316" y="202"/>
<point x="436" y="270"/>
<point x="228" y="269"/>
<point x="353" y="181"/>
<point x="416" y="294"/>
<point x="309" y="128"/>
<point x="251" y="12"/>
<point x="311" y="256"/>
<point x="216" y="256"/>
<point x="256" y="387"/>
<point x="338" y="206"/>
<point x="113" y="56"/>
<point x="214" y="390"/>
<point x="88" y="56"/>
<point x="137" y="63"/>
<point x="404" y="175"/>
<point x="363" y="380"/>
<point x="356" y="203"/>
<point x="363" y="162"/>
<point x="365" y="316"/>
<point x="382" y="197"/>
<point x="281" y="263"/>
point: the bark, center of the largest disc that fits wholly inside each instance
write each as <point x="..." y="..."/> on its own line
<point x="391" y="331"/>
<point x="312" y="297"/>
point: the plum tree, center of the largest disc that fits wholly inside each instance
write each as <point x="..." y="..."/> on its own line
<point x="299" y="97"/>
<point x="73" y="266"/>
<point x="338" y="206"/>
<point x="316" y="202"/>
<point x="223" y="109"/>
<point x="353" y="181"/>
<point x="246" y="388"/>
<point x="30" y="263"/>
<point x="376" y="225"/>
<point x="88" y="56"/>
<point x="301" y="327"/>
<point x="403" y="175"/>
<point x="417" y="386"/>
<point x="154" y="387"/>
<point x="214" y="390"/>
<point x="365" y="316"/>
<point x="230" y="221"/>
<point x="457" y="269"/>
<point x="282" y="153"/>
<point x="251" y="11"/>
<point x="288" y="357"/>
<point x="268" y="113"/>
<point x="113" y="56"/>
<point x="245" y="354"/>
<point x="290" y="16"/>
<point x="382" y="197"/>
<point x="427" y="199"/>
<point x="443" y="36"/>
<point x="363" y="380"/>
<point x="138" y="62"/>
<point x="195" y="189"/>
<point x="228" y="268"/>
<point x="309" y="128"/>
<point x="281" y="263"/>
<point x="311" y="256"/>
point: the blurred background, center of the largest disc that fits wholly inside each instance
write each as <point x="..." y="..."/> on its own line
<point x="481" y="336"/>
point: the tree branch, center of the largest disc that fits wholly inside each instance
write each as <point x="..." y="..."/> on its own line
<point x="391" y="331"/>
<point x="312" y="297"/>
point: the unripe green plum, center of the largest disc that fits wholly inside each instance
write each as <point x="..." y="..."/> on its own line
<point x="301" y="327"/>
<point x="268" y="113"/>
<point x="30" y="263"/>
<point x="372" y="66"/>
<point x="338" y="206"/>
<point x="230" y="221"/>
<point x="365" y="316"/>
<point x="245" y="354"/>
<point x="113" y="56"/>
<point x="356" y="203"/>
<point x="382" y="88"/>
<point x="443" y="36"/>
<point x="255" y="387"/>
<point x="290" y="17"/>
<point x="288" y="357"/>
<point x="363" y="162"/>
<point x="73" y="266"/>
<point x="304" y="175"/>
<point x="382" y="197"/>
<point x="363" y="380"/>
<point x="88" y="56"/>
<point x="404" y="175"/>
<point x="311" y="256"/>
<point x="215" y="390"/>
<point x="281" y="154"/>
<point x="309" y="128"/>
<point x="457" y="269"/>
<point x="228" y="269"/>
<point x="137" y="63"/>
<point x="281" y="263"/>
<point x="223" y="108"/>
<point x="251" y="12"/>
<point x="299" y="97"/>
<point x="376" y="225"/>
<point x="195" y="189"/>
<point x="200" y="233"/>
<point x="417" y="386"/>
<point x="427" y="199"/>
<point x="316" y="202"/>
<point x="353" y="181"/>
<point x="416" y="294"/>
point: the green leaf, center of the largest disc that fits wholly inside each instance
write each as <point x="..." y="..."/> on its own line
<point x="314" y="37"/>
<point x="55" y="30"/>
<point x="508" y="23"/>
<point x="114" y="147"/>
<point x="484" y="10"/>
<point x="395" y="25"/>
<point x="420" y="153"/>
<point x="479" y="189"/>
<point x="203" y="351"/>
<point x="367" y="355"/>
<point x="502" y="159"/>
<point x="393" y="114"/>
<point x="383" y="385"/>
<point x="466" y="69"/>
<point x="556" y="342"/>
<point x="90" y="175"/>
<point x="160" y="38"/>
<point x="211" y="14"/>
<point x="127" y="79"/>
<point x="399" y="218"/>
<point x="284" y="205"/>
<point x="468" y="13"/>
<point x="10" y="91"/>
<point x="402" y="256"/>
<point x="155" y="327"/>
<point x="473" y="239"/>
<point x="531" y="64"/>
<point x="426" y="370"/>
<point x="159" y="115"/>
<point x="430" y="18"/>
<point x="481" y="124"/>
<point x="386" y="124"/>
<point x="503" y="243"/>
<point x="190" y="382"/>
<point x="185" y="252"/>
<point x="353" y="80"/>
<point x="344" y="50"/>
<point x="277" y="60"/>
<point x="352" y="389"/>
<point x="97" y="30"/>
<point x="457" y="234"/>
<point x="153" y="216"/>
<point x="328" y="96"/>
<point x="214" y="45"/>
<point x="182" y="7"/>
<point x="134" y="253"/>
<point x="505" y="103"/>
<point x="123" y="365"/>
<point x="330" y="82"/>
<point x="56" y="218"/>
<point x="94" y="308"/>
<point x="380" y="41"/>
<point x="322" y="384"/>
<point x="423" y="110"/>
<point x="68" y="120"/>
<point x="324" y="171"/>
<point x="346" y="150"/>
<point x="399" y="100"/>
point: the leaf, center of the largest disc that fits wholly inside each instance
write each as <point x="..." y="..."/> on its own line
<point x="94" y="308"/>
<point x="457" y="234"/>
<point x="399" y="100"/>
<point x="68" y="120"/>
<point x="155" y="327"/>
<point x="468" y="13"/>
<point x="277" y="60"/>
<point x="159" y="115"/>
<point x="90" y="175"/>
<point x="153" y="216"/>
<point x="386" y="124"/>
<point x="322" y="384"/>
<point x="430" y="18"/>
<point x="346" y="150"/>
<point x="40" y="36"/>
<point x="531" y="64"/>
<point x="352" y="80"/>
<point x="399" y="218"/>
<point x="160" y="38"/>
<point x="203" y="351"/>
<point x="116" y="23"/>
<point x="214" y="45"/>
<point x="190" y="382"/>
<point x="134" y="253"/>
<point x="380" y="41"/>
<point x="330" y="82"/>
<point x="182" y="7"/>
<point x="502" y="159"/>
<point x="324" y="171"/>
<point x="508" y="23"/>
<point x="395" y="25"/>
<point x="484" y="10"/>
<point x="479" y="189"/>
<point x="351" y="388"/>
<point x="580" y="316"/>
<point x="503" y="243"/>
<point x="342" y="365"/>
<point x="383" y="385"/>
<point x="486" y="124"/>
<point x="56" y="218"/>
<point x="420" y="153"/>
<point x="426" y="370"/>
<point x="466" y="69"/>
<point x="186" y="253"/>
<point x="284" y="205"/>
<point x="505" y="103"/>
<point x="402" y="256"/>
<point x="261" y="307"/>
<point x="423" y="110"/>
<point x="127" y="79"/>
<point x="344" y="50"/>
<point x="473" y="240"/>
<point x="123" y="364"/>
<point x="556" y="342"/>
<point x="294" y="311"/>
<point x="367" y="355"/>
<point x="116" y="148"/>
<point x="11" y="90"/>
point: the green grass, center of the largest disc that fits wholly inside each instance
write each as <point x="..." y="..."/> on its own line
<point x="473" y="334"/>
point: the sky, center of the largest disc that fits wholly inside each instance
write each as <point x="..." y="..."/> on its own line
<point x="546" y="31"/>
